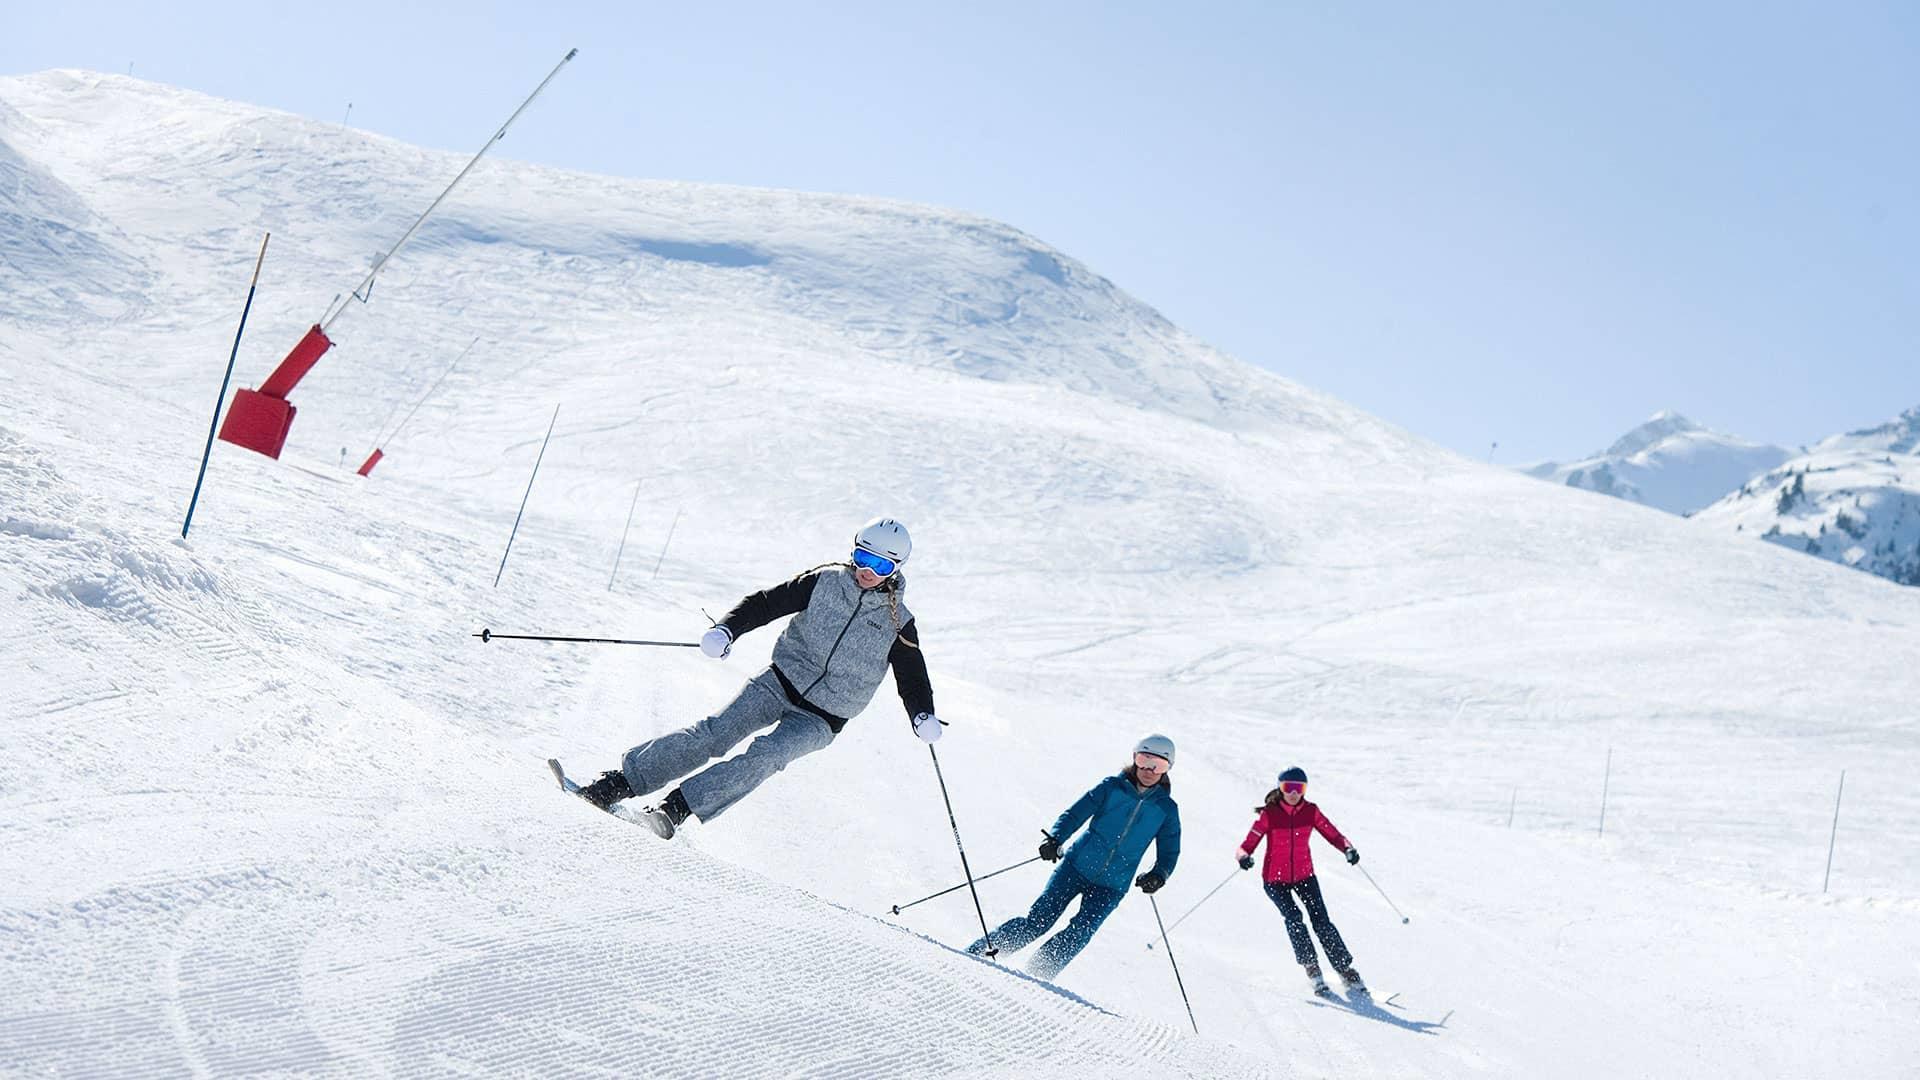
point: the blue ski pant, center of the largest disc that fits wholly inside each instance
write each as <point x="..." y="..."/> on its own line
<point x="760" y="704"/>
<point x="1309" y="890"/>
<point x="1096" y="903"/>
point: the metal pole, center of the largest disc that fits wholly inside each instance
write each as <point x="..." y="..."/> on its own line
<point x="1605" y="779"/>
<point x="1176" y="964"/>
<point x="1836" y="830"/>
<point x="489" y="635"/>
<point x="623" y="534"/>
<point x="1383" y="893"/>
<point x="207" y="454"/>
<point x="523" y="498"/>
<point x="381" y="442"/>
<point x="1511" y="804"/>
<point x="663" y="547"/>
<point x="1196" y="907"/>
<point x="380" y="263"/>
<point x="977" y="910"/>
<point x="898" y="908"/>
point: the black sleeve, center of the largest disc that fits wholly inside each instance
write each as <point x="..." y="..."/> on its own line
<point x="759" y="609"/>
<point x="910" y="671"/>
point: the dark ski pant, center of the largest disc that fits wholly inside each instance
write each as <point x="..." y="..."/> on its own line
<point x="761" y="703"/>
<point x="1096" y="903"/>
<point x="1282" y="896"/>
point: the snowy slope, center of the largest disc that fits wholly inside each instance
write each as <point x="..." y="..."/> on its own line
<point x="1669" y="463"/>
<point x="1853" y="499"/>
<point x="269" y="806"/>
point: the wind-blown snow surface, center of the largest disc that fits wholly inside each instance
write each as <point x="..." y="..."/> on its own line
<point x="1669" y="463"/>
<point x="269" y="807"/>
<point x="1853" y="499"/>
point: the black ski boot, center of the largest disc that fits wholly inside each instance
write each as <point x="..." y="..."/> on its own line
<point x="665" y="819"/>
<point x="1352" y="978"/>
<point x="609" y="789"/>
<point x="1319" y="983"/>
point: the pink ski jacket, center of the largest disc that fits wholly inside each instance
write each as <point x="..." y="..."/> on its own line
<point x="1287" y="829"/>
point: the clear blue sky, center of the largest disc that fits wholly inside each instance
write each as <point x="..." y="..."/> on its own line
<point x="1535" y="223"/>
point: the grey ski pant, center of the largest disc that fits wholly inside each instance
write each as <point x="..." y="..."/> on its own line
<point x="761" y="703"/>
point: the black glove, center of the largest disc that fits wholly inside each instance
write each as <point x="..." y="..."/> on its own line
<point x="1149" y="882"/>
<point x="1353" y="856"/>
<point x="1246" y="862"/>
<point x="1049" y="848"/>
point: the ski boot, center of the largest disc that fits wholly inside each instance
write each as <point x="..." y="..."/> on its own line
<point x="665" y="819"/>
<point x="609" y="789"/>
<point x="1319" y="984"/>
<point x="1351" y="978"/>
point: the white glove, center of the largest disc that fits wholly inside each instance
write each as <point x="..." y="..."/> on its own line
<point x="717" y="642"/>
<point x="927" y="726"/>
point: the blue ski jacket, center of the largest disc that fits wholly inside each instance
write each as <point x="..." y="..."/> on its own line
<point x="1121" y="819"/>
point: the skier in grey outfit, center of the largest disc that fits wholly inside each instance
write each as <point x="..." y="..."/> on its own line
<point x="850" y="625"/>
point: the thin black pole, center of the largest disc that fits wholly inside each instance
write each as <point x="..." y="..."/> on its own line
<point x="1176" y="964"/>
<point x="964" y="868"/>
<point x="898" y="908"/>
<point x="1836" y="830"/>
<point x="523" y="498"/>
<point x="623" y="534"/>
<point x="206" y="454"/>
<point x="489" y="635"/>
<point x="1605" y="779"/>
<point x="1196" y="907"/>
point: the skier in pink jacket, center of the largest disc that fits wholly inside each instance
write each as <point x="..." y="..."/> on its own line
<point x="1288" y="821"/>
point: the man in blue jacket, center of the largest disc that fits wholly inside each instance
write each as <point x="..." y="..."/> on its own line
<point x="1122" y="814"/>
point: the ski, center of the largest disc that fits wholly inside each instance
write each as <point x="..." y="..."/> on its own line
<point x="560" y="774"/>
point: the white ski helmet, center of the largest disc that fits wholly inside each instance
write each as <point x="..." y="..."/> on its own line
<point x="886" y="538"/>
<point x="1158" y="745"/>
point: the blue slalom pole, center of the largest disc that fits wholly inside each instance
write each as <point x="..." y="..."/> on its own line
<point x="222" y="399"/>
<point x="523" y="498"/>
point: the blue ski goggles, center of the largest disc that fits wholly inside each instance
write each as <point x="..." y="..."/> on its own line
<point x="879" y="564"/>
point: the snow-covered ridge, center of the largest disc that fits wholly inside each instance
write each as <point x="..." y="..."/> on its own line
<point x="1853" y="499"/>
<point x="1669" y="463"/>
<point x="267" y="805"/>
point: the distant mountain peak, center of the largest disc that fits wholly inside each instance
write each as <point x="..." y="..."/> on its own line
<point x="1659" y="426"/>
<point x="1901" y="435"/>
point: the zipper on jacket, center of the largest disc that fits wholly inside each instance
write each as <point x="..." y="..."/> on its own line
<point x="1139" y="802"/>
<point x="825" y="664"/>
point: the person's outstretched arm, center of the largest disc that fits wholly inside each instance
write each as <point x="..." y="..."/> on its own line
<point x="756" y="610"/>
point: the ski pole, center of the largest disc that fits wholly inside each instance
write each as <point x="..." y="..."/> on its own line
<point x="489" y="635"/>
<point x="1176" y="964"/>
<point x="962" y="848"/>
<point x="1383" y="893"/>
<point x="208" y="453"/>
<point x="898" y="908"/>
<point x="1196" y="907"/>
